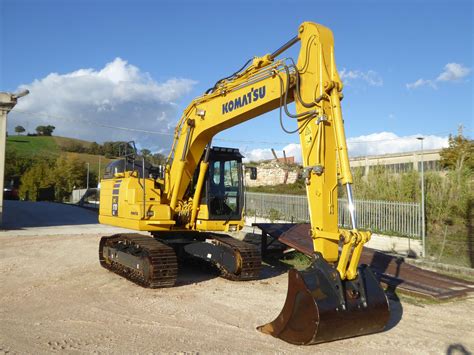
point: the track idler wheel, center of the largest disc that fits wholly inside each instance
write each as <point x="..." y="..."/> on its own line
<point x="319" y="307"/>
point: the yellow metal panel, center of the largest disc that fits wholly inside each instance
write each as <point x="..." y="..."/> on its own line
<point x="132" y="213"/>
<point x="139" y="225"/>
<point x="223" y="226"/>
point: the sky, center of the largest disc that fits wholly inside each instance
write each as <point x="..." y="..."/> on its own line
<point x="108" y="70"/>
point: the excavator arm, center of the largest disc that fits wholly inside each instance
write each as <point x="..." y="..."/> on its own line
<point x="334" y="298"/>
<point x="266" y="84"/>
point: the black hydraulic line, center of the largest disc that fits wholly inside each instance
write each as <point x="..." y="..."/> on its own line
<point x="208" y="149"/>
<point x="307" y="116"/>
<point x="288" y="113"/>
<point x="272" y="56"/>
<point x="186" y="144"/>
<point x="298" y="93"/>
<point x="228" y="77"/>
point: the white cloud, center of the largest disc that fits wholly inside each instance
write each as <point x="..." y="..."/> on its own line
<point x="371" y="77"/>
<point x="119" y="94"/>
<point x="257" y="154"/>
<point x="372" y="144"/>
<point x="453" y="72"/>
<point x="421" y="82"/>
<point x="291" y="150"/>
<point x="388" y="142"/>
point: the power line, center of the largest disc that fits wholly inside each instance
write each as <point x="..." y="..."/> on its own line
<point x="32" y="113"/>
<point x="36" y="114"/>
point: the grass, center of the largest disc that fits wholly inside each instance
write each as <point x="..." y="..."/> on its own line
<point x="41" y="145"/>
<point x="64" y="142"/>
<point x="297" y="260"/>
<point x="298" y="188"/>
<point x="33" y="146"/>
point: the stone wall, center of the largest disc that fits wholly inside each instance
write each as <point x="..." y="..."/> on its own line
<point x="270" y="174"/>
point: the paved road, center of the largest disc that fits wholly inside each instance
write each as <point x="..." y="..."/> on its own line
<point x="46" y="218"/>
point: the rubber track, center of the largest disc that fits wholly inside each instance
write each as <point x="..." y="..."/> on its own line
<point x="251" y="260"/>
<point x="161" y="258"/>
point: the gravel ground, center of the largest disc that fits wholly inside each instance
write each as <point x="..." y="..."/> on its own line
<point x="56" y="298"/>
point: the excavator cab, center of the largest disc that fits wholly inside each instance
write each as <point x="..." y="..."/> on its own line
<point x="224" y="185"/>
<point x="222" y="195"/>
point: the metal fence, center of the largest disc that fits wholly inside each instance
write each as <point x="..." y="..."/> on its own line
<point x="399" y="218"/>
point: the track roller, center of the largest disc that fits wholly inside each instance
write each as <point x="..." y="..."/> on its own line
<point x="140" y="259"/>
<point x="236" y="260"/>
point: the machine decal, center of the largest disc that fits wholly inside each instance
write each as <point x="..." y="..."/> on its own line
<point x="115" y="197"/>
<point x="114" y="205"/>
<point x="252" y="96"/>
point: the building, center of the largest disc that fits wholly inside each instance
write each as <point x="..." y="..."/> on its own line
<point x="400" y="162"/>
<point x="271" y="173"/>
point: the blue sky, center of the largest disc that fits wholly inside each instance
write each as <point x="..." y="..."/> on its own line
<point x="407" y="65"/>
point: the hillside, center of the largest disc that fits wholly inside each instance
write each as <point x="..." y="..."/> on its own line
<point x="40" y="145"/>
<point x="54" y="147"/>
<point x="33" y="146"/>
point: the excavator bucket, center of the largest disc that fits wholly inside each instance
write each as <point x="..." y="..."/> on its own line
<point x="320" y="307"/>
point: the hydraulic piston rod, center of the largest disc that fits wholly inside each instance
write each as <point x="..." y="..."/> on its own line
<point x="284" y="47"/>
<point x="350" y="201"/>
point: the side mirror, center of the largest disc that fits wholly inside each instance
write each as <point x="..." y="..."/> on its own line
<point x="253" y="173"/>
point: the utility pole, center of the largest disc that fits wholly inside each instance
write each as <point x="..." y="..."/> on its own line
<point x="7" y="103"/>
<point x="423" y="232"/>
<point x="87" y="186"/>
<point x="98" y="176"/>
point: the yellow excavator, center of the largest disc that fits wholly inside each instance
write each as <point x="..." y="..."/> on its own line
<point x="189" y="202"/>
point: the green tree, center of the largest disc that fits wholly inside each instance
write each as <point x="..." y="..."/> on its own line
<point x="158" y="159"/>
<point x="16" y="165"/>
<point x="69" y="174"/>
<point x="116" y="149"/>
<point x="45" y="130"/>
<point x="145" y="153"/>
<point x="20" y="129"/>
<point x="40" y="175"/>
<point x="459" y="153"/>
<point x="75" y="147"/>
<point x="95" y="149"/>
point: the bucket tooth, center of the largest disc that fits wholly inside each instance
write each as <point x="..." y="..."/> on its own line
<point x="319" y="307"/>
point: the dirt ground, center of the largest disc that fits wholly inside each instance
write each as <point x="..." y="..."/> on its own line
<point x="55" y="297"/>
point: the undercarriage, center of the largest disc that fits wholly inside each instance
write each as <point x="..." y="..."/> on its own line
<point x="153" y="261"/>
